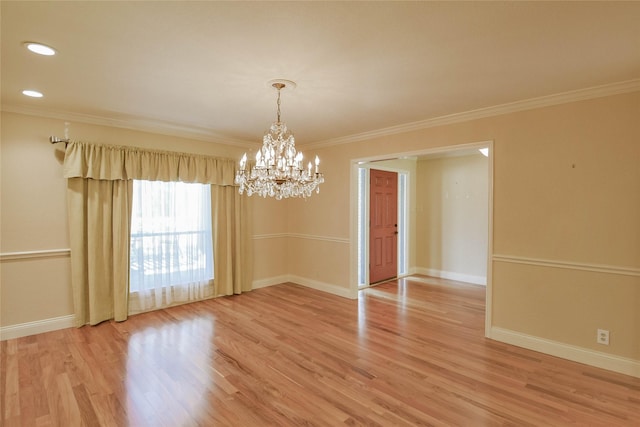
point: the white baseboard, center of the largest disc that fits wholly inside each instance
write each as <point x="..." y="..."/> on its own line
<point x="63" y="322"/>
<point x="598" y="359"/>
<point x="325" y="287"/>
<point x="450" y="275"/>
<point x="270" y="281"/>
<point x="309" y="283"/>
<point x="37" y="327"/>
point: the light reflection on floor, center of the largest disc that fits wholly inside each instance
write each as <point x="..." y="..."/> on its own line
<point x="170" y="363"/>
<point x="362" y="315"/>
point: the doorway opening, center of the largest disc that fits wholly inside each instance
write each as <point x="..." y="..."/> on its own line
<point x="405" y="165"/>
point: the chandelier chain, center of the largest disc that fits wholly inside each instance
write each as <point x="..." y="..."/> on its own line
<point x="279" y="87"/>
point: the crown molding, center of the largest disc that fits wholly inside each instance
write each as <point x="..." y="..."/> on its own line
<point x="203" y="134"/>
<point x="511" y="107"/>
<point x="131" y="122"/>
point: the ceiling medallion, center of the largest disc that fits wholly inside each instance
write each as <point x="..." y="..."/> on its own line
<point x="278" y="170"/>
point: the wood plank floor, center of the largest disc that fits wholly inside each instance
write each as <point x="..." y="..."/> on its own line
<point x="408" y="352"/>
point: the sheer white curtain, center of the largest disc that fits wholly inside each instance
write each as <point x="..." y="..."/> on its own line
<point x="171" y="256"/>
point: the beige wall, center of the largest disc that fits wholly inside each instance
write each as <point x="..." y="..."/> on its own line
<point x="452" y="217"/>
<point x="566" y="194"/>
<point x="34" y="216"/>
<point x="566" y="203"/>
<point x="270" y="242"/>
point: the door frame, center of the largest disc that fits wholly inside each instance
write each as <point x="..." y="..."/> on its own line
<point x="358" y="163"/>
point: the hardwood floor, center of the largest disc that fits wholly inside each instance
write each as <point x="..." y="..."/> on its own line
<point x="408" y="352"/>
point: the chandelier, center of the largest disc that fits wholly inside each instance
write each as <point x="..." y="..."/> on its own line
<point x="278" y="170"/>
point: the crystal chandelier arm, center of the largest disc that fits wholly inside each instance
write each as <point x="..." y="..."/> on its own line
<point x="278" y="170"/>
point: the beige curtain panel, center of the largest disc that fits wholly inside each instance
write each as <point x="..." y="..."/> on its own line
<point x="99" y="215"/>
<point x="99" y="194"/>
<point x="230" y="222"/>
<point x="110" y="162"/>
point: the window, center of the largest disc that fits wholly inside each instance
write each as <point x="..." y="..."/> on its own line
<point x="171" y="241"/>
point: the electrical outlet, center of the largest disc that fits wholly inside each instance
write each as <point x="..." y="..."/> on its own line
<point x="603" y="337"/>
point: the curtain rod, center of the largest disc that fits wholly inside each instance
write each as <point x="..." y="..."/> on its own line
<point x="55" y="140"/>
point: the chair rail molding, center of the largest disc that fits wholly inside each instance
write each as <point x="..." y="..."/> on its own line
<point x="344" y="240"/>
<point x="598" y="268"/>
<point x="38" y="254"/>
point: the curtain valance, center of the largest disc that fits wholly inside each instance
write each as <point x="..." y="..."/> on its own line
<point x="111" y="163"/>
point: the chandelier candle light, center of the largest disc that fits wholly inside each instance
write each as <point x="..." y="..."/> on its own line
<point x="278" y="170"/>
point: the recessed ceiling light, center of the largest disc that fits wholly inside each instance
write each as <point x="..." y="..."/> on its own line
<point x="32" y="93"/>
<point x="40" y="48"/>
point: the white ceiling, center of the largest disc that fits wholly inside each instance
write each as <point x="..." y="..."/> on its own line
<point x="359" y="66"/>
